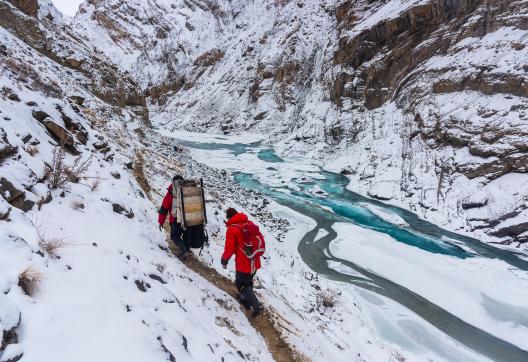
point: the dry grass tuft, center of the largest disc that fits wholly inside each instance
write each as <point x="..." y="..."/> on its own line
<point x="327" y="298"/>
<point x="29" y="280"/>
<point x="77" y="205"/>
<point x="32" y="150"/>
<point x="94" y="184"/>
<point x="53" y="246"/>
<point x="49" y="243"/>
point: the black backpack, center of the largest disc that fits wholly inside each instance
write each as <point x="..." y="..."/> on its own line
<point x="195" y="237"/>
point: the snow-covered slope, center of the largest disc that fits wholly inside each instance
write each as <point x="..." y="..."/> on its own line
<point x="421" y="102"/>
<point x="106" y="288"/>
<point x="84" y="272"/>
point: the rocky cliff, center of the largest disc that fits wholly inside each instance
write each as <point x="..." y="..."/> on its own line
<point x="421" y="102"/>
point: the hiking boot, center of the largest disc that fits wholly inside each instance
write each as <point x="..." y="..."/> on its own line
<point x="182" y="256"/>
<point x="256" y="312"/>
<point x="244" y="302"/>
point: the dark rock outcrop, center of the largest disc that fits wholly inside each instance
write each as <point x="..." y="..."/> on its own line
<point x="209" y="58"/>
<point x="14" y="196"/>
<point x="9" y="335"/>
<point x="118" y="209"/>
<point x="6" y="149"/>
<point x="106" y="81"/>
<point x="394" y="43"/>
<point x="29" y="7"/>
<point x="60" y="134"/>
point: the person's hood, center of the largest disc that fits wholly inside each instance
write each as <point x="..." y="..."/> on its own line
<point x="239" y="218"/>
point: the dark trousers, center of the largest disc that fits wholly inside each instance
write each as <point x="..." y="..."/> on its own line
<point x="244" y="284"/>
<point x="177" y="236"/>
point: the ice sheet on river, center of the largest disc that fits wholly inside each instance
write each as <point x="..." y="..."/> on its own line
<point x="385" y="214"/>
<point x="474" y="289"/>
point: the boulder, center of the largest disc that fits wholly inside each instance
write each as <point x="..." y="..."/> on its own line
<point x="260" y="116"/>
<point x="14" y="196"/>
<point x="6" y="149"/>
<point x="58" y="132"/>
<point x="40" y="115"/>
<point x="9" y="321"/>
<point x="61" y="135"/>
<point x="12" y="353"/>
<point x="10" y="94"/>
<point x="75" y="128"/>
<point x="78" y="100"/>
<point x="118" y="209"/>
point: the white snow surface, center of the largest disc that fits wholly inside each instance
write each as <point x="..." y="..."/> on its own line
<point x="88" y="305"/>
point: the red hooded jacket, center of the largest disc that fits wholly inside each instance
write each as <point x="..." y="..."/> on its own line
<point x="233" y="245"/>
<point x="166" y="208"/>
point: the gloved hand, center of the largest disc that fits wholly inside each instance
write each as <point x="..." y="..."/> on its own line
<point x="224" y="263"/>
<point x="160" y="227"/>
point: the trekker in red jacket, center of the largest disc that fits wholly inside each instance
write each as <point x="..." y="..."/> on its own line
<point x="245" y="267"/>
<point x="177" y="232"/>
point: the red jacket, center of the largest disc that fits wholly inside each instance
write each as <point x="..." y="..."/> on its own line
<point x="233" y="245"/>
<point x="166" y="208"/>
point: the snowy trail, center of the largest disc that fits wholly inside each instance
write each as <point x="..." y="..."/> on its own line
<point x="264" y="324"/>
<point x="272" y="176"/>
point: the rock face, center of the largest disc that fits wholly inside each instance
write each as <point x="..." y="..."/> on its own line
<point x="56" y="41"/>
<point x="6" y="149"/>
<point x="394" y="41"/>
<point x="423" y="103"/>
<point x="29" y="7"/>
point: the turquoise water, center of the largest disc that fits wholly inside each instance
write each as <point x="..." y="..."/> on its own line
<point x="269" y="156"/>
<point x="351" y="212"/>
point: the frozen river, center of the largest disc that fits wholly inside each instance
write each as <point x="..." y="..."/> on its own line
<point x="472" y="292"/>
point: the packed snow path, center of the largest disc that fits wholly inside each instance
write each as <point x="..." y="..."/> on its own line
<point x="451" y="297"/>
<point x="263" y="324"/>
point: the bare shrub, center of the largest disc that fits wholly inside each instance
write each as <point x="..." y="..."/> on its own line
<point x="59" y="174"/>
<point x="161" y="267"/>
<point x="50" y="243"/>
<point x="29" y="280"/>
<point x="32" y="150"/>
<point x="94" y="184"/>
<point x="327" y="298"/>
<point x="398" y="357"/>
<point x="77" y="205"/>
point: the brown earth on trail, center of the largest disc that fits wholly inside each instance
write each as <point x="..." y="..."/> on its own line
<point x="139" y="174"/>
<point x="264" y="323"/>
